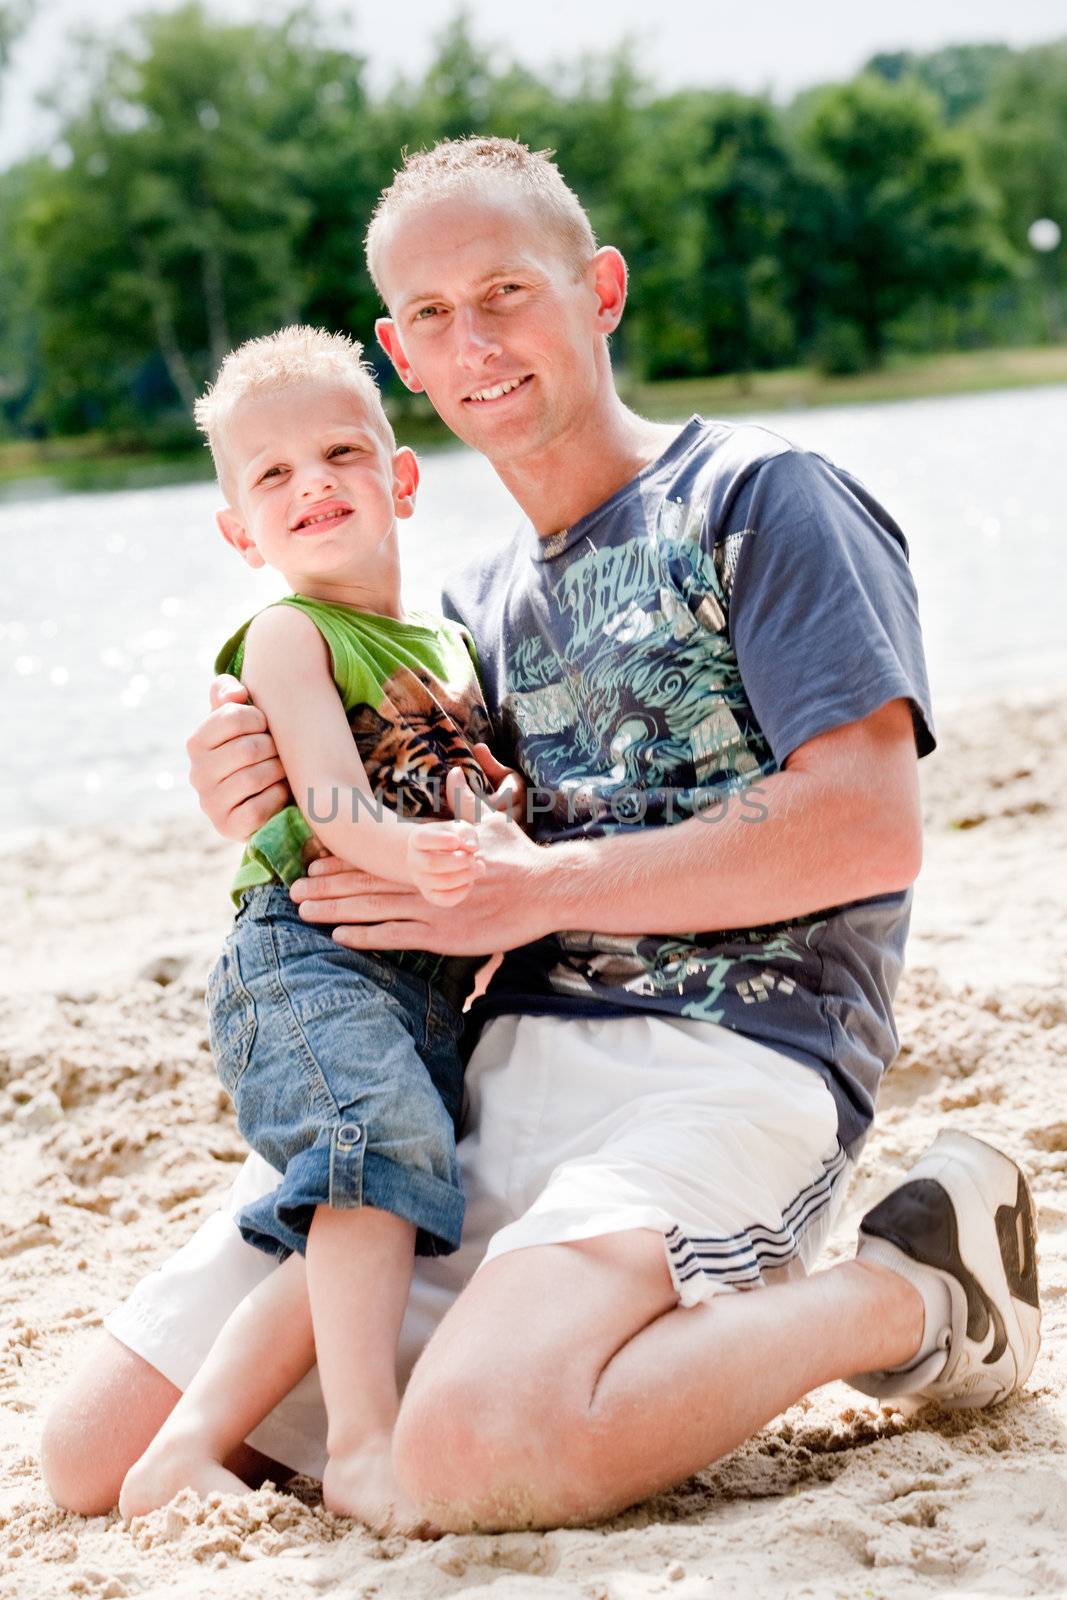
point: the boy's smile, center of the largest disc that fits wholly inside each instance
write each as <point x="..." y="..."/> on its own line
<point x="319" y="518"/>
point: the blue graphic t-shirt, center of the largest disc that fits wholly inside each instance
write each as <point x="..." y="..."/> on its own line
<point x="661" y="657"/>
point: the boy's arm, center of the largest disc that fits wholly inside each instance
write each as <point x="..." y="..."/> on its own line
<point x="287" y="671"/>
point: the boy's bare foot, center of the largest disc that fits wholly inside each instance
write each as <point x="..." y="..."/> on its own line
<point x="167" y="1467"/>
<point x="359" y="1483"/>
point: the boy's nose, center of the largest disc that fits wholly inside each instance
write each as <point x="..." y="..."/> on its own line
<point x="316" y="482"/>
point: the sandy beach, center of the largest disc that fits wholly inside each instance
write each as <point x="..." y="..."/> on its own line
<point x="116" y="1142"/>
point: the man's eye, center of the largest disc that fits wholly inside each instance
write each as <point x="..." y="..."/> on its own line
<point x="509" y="288"/>
<point x="424" y="313"/>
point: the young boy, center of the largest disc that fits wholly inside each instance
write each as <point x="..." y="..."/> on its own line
<point x="344" y="1067"/>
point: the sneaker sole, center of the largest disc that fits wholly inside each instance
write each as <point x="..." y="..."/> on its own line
<point x="929" y="1219"/>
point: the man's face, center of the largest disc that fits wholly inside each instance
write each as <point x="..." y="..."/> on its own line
<point x="316" y="486"/>
<point x="488" y="318"/>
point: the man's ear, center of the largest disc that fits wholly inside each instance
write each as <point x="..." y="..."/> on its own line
<point x="234" y="532"/>
<point x="389" y="339"/>
<point x="405" y="481"/>
<point x="607" y="277"/>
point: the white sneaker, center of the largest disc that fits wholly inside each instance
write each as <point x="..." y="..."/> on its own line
<point x="964" y="1212"/>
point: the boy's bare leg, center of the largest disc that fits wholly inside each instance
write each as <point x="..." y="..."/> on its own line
<point x="263" y="1349"/>
<point x="566" y="1383"/>
<point x="359" y="1265"/>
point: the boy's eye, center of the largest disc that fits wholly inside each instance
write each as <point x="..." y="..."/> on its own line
<point x="342" y="449"/>
<point x="271" y="472"/>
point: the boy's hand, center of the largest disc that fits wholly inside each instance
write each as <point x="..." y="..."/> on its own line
<point x="443" y="861"/>
<point x="233" y="764"/>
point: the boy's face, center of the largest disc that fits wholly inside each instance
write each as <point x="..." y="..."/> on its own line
<point x="316" y="488"/>
<point x="487" y="316"/>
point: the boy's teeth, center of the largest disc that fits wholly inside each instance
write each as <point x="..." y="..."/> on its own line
<point x="326" y="516"/>
<point x="497" y="390"/>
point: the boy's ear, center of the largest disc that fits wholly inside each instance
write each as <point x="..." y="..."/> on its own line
<point x="389" y="339"/>
<point x="234" y="532"/>
<point x="405" y="481"/>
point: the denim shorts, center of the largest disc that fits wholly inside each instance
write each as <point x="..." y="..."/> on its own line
<point x="345" y="1073"/>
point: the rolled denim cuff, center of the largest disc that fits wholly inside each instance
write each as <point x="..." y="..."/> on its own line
<point x="342" y="1173"/>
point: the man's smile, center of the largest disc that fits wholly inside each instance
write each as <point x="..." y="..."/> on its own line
<point x="496" y="391"/>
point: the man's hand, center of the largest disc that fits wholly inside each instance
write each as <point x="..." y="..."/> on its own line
<point x="506" y="906"/>
<point x="233" y="765"/>
<point x="509" y="791"/>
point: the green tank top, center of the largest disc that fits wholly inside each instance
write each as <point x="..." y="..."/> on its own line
<point x="413" y="701"/>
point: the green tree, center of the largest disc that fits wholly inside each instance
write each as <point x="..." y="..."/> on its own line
<point x="16" y="328"/>
<point x="14" y="15"/>
<point x="895" y="210"/>
<point x="1022" y="138"/>
<point x="178" y="213"/>
<point x="707" y="207"/>
<point x="962" y="76"/>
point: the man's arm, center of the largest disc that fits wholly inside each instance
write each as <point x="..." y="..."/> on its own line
<point x="234" y="765"/>
<point x="842" y="823"/>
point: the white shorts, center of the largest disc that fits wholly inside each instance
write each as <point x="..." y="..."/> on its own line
<point x="578" y="1128"/>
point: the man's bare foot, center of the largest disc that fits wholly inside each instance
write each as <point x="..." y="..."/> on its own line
<point x="168" y="1466"/>
<point x="359" y="1483"/>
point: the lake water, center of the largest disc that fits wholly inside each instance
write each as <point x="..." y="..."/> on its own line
<point x="114" y="605"/>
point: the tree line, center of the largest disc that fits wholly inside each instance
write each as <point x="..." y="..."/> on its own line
<point x="213" y="180"/>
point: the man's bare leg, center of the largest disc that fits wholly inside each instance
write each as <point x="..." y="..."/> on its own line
<point x="566" y="1383"/>
<point x="263" y="1349"/>
<point x="105" y="1417"/>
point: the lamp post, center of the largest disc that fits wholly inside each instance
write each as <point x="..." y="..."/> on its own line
<point x="1044" y="236"/>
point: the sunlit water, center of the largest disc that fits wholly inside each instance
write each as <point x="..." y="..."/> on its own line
<point x="114" y="605"/>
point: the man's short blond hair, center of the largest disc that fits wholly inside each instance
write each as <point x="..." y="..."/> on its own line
<point x="464" y="165"/>
<point x="297" y="354"/>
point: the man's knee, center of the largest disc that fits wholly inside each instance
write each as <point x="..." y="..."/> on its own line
<point x="479" y="1452"/>
<point x="101" y="1422"/>
<point x="69" y="1465"/>
<point x="450" y="1450"/>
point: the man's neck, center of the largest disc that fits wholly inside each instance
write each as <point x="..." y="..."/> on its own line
<point x="579" y="471"/>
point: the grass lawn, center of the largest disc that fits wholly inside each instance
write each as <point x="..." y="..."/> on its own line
<point x="92" y="461"/>
<point x="902" y="378"/>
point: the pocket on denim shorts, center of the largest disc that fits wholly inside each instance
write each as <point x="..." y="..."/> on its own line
<point x="231" y="1017"/>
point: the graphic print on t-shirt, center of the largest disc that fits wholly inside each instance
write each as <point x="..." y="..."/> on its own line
<point x="648" y="724"/>
<point x="658" y="661"/>
<point x="645" y="711"/>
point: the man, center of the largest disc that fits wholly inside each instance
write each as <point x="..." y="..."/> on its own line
<point x="658" y="1118"/>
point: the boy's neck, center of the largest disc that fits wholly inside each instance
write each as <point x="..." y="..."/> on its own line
<point x="357" y="597"/>
<point x="375" y="588"/>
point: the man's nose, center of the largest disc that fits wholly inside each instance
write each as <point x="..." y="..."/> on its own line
<point x="476" y="338"/>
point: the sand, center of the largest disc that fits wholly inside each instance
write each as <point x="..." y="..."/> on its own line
<point x="116" y="1142"/>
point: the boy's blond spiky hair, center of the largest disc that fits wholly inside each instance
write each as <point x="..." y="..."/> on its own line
<point x="468" y="164"/>
<point x="295" y="354"/>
